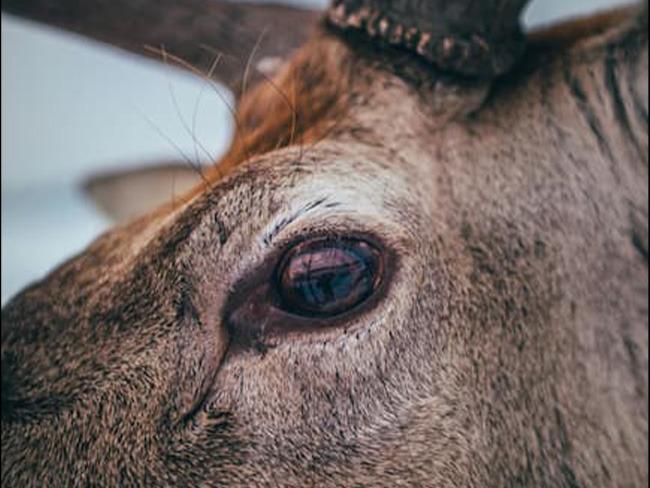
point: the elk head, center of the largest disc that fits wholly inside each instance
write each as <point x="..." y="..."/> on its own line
<point x="423" y="262"/>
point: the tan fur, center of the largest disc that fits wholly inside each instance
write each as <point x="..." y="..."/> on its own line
<point x="298" y="107"/>
<point x="509" y="348"/>
<point x="308" y="98"/>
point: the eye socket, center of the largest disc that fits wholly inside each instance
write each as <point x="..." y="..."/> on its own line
<point x="327" y="277"/>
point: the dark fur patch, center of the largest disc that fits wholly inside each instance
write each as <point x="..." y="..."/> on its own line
<point x="612" y="69"/>
<point x="583" y="103"/>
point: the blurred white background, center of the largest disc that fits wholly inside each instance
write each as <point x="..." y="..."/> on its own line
<point x="72" y="107"/>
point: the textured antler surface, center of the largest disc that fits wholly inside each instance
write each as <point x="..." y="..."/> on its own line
<point x="193" y="30"/>
<point x="470" y="37"/>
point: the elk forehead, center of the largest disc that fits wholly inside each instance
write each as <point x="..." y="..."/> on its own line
<point x="365" y="99"/>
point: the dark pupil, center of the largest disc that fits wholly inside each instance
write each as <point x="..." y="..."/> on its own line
<point x="328" y="277"/>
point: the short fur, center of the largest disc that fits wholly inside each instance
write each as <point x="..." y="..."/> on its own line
<point x="510" y="349"/>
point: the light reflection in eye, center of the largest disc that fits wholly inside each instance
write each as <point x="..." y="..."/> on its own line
<point x="326" y="277"/>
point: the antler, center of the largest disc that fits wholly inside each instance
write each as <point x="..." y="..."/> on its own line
<point x="470" y="37"/>
<point x="192" y="30"/>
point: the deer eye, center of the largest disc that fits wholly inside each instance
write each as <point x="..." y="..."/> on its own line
<point x="327" y="277"/>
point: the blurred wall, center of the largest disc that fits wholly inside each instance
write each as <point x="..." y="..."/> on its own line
<point x="71" y="108"/>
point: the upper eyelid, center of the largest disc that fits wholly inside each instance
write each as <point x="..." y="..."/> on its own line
<point x="329" y="217"/>
<point x="332" y="218"/>
<point x="265" y="259"/>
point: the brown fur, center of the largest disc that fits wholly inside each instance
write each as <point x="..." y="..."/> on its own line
<point x="509" y="349"/>
<point x="298" y="107"/>
<point x="308" y="98"/>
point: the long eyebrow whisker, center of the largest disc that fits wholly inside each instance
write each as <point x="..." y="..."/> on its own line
<point x="209" y="74"/>
<point x="292" y="107"/>
<point x="251" y="57"/>
<point x="294" y="127"/>
<point x="213" y="86"/>
<point x="184" y="123"/>
<point x="162" y="134"/>
<point x="191" y="132"/>
<point x="195" y="165"/>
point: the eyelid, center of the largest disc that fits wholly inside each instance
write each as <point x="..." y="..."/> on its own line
<point x="388" y="235"/>
<point x="255" y="321"/>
